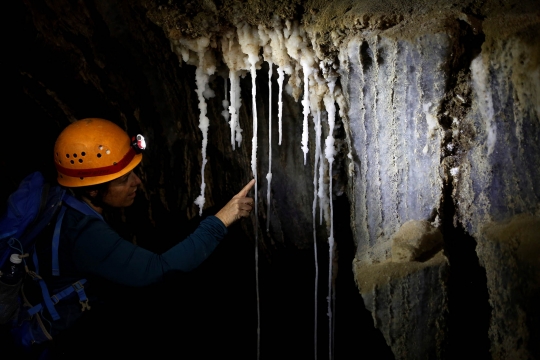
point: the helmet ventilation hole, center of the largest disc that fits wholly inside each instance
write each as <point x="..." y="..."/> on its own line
<point x="114" y="163"/>
<point x="67" y="155"/>
<point x="100" y="147"/>
<point x="74" y="155"/>
<point x="71" y="161"/>
<point x="80" y="161"/>
<point x="81" y="178"/>
<point x="108" y="152"/>
<point x="98" y="155"/>
<point x="83" y="154"/>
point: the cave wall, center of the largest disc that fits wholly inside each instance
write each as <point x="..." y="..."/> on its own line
<point x="439" y="109"/>
<point x="469" y="98"/>
<point x="497" y="187"/>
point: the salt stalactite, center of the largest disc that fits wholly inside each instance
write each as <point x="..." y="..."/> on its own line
<point x="281" y="58"/>
<point x="264" y="38"/>
<point x="318" y="89"/>
<point x="321" y="193"/>
<point x="318" y="131"/>
<point x="305" y="102"/>
<point x="269" y="174"/>
<point x="329" y="154"/>
<point x="297" y="48"/>
<point x="281" y="77"/>
<point x="225" y="102"/>
<point x="236" y="131"/>
<point x="235" y="60"/>
<point x="249" y="42"/>
<point x="205" y="67"/>
<point x="236" y="102"/>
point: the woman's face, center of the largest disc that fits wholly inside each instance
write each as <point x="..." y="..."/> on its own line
<point x="122" y="191"/>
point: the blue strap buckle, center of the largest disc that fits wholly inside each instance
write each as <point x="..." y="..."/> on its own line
<point x="78" y="286"/>
<point x="83" y="300"/>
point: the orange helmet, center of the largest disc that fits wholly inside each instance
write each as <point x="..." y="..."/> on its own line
<point x="94" y="151"/>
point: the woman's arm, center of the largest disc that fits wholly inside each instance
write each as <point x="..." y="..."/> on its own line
<point x="99" y="250"/>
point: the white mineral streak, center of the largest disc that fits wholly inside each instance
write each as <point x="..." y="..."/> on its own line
<point x="318" y="89"/>
<point x="432" y="123"/>
<point x="282" y="60"/>
<point x="236" y="102"/>
<point x="330" y="152"/>
<point x="205" y="67"/>
<point x="281" y="76"/>
<point x="225" y="102"/>
<point x="480" y="79"/>
<point x="373" y="88"/>
<point x="305" y="103"/>
<point x="267" y="53"/>
<point x="362" y="149"/>
<point x="318" y="129"/>
<point x="297" y="48"/>
<point x="249" y="42"/>
<point x="323" y="188"/>
<point x="235" y="60"/>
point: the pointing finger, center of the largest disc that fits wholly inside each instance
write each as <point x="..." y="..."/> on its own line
<point x="245" y="190"/>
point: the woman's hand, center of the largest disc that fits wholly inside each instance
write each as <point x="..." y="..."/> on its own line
<point x="239" y="206"/>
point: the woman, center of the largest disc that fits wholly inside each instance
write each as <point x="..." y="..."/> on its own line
<point x="95" y="159"/>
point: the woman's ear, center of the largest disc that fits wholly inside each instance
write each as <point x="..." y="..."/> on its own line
<point x="93" y="193"/>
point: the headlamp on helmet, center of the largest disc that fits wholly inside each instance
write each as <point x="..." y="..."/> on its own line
<point x="138" y="143"/>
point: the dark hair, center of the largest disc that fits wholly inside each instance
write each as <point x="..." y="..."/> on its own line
<point x="84" y="191"/>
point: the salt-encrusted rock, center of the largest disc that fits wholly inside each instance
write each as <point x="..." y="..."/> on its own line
<point x="405" y="299"/>
<point x="510" y="252"/>
<point x="416" y="240"/>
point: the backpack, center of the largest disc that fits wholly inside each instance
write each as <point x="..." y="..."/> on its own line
<point x="33" y="206"/>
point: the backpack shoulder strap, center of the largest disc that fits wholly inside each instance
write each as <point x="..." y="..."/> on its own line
<point x="50" y="301"/>
<point x="78" y="205"/>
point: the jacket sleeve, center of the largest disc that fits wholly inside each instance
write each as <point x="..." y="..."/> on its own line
<point x="99" y="250"/>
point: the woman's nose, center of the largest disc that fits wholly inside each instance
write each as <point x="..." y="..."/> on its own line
<point x="136" y="180"/>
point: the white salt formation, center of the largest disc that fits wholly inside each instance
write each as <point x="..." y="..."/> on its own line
<point x="289" y="48"/>
<point x="269" y="174"/>
<point x="235" y="60"/>
<point x="280" y="57"/>
<point x="297" y="49"/>
<point x="318" y="129"/>
<point x="281" y="77"/>
<point x="305" y="103"/>
<point x="205" y="67"/>
<point x="249" y="42"/>
<point x="329" y="154"/>
<point x="480" y="74"/>
<point x="267" y="54"/>
<point x="225" y="113"/>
